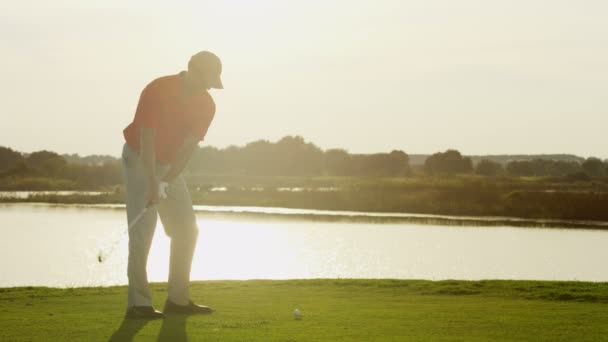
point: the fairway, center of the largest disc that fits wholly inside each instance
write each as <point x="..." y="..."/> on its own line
<point x="332" y="310"/>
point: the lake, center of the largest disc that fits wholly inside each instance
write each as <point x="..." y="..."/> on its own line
<point x="58" y="245"/>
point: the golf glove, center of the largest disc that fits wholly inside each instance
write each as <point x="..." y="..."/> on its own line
<point x="163" y="188"/>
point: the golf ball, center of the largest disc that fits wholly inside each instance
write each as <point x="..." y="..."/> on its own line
<point x="297" y="313"/>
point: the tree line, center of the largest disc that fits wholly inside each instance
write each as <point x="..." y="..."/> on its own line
<point x="451" y="162"/>
<point x="290" y="156"/>
<point x="44" y="170"/>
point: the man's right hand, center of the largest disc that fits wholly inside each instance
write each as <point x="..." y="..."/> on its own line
<point x="152" y="197"/>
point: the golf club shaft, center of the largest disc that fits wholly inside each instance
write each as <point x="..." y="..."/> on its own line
<point x="137" y="218"/>
<point x="102" y="256"/>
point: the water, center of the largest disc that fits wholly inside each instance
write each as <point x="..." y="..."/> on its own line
<point x="58" y="245"/>
<point x="26" y="194"/>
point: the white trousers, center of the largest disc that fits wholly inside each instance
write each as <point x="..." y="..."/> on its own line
<point x="178" y="219"/>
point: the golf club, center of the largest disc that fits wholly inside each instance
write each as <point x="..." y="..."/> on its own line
<point x="102" y="256"/>
<point x="163" y="188"/>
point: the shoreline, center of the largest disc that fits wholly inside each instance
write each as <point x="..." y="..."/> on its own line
<point x="490" y="285"/>
<point x="544" y="201"/>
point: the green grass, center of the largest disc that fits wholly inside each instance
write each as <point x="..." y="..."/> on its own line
<point x="333" y="310"/>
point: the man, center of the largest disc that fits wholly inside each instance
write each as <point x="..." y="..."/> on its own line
<point x="173" y="115"/>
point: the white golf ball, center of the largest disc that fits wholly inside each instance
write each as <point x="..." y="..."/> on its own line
<point x="297" y="313"/>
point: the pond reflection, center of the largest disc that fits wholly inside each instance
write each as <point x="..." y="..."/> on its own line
<point x="48" y="245"/>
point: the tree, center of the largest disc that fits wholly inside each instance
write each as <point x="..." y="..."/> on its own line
<point x="542" y="168"/>
<point x="259" y="157"/>
<point x="9" y="158"/>
<point x="399" y="164"/>
<point x="46" y="163"/>
<point x="556" y="168"/>
<point x="449" y="162"/>
<point x="520" y="169"/>
<point x="594" y="167"/>
<point x="296" y="157"/>
<point x="489" y="168"/>
<point x="337" y="162"/>
<point x="563" y="168"/>
<point x="394" y="164"/>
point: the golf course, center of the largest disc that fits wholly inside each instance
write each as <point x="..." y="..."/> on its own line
<point x="332" y="310"/>
<point x="303" y="171"/>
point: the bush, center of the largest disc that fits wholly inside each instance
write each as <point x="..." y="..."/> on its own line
<point x="489" y="168"/>
<point x="450" y="162"/>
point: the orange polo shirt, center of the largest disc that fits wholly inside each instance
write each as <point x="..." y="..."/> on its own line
<point x="161" y="107"/>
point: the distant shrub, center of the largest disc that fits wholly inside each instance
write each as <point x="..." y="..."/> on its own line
<point x="594" y="167"/>
<point x="489" y="168"/>
<point x="450" y="162"/>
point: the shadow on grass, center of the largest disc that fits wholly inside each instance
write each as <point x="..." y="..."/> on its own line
<point x="173" y="329"/>
<point x="128" y="329"/>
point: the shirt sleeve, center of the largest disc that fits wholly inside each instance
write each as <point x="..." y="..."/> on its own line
<point x="148" y="108"/>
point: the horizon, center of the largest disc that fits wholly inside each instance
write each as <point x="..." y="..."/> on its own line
<point x="476" y="156"/>
<point x="518" y="78"/>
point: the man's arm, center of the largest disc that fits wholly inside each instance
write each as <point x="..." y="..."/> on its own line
<point x="181" y="160"/>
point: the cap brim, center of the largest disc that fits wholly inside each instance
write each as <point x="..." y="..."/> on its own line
<point x="217" y="84"/>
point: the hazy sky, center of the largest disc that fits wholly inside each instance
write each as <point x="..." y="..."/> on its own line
<point x="481" y="76"/>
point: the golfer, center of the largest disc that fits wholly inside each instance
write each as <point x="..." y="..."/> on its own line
<point x="173" y="115"/>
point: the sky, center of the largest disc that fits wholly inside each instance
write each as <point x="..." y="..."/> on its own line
<point x="480" y="76"/>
